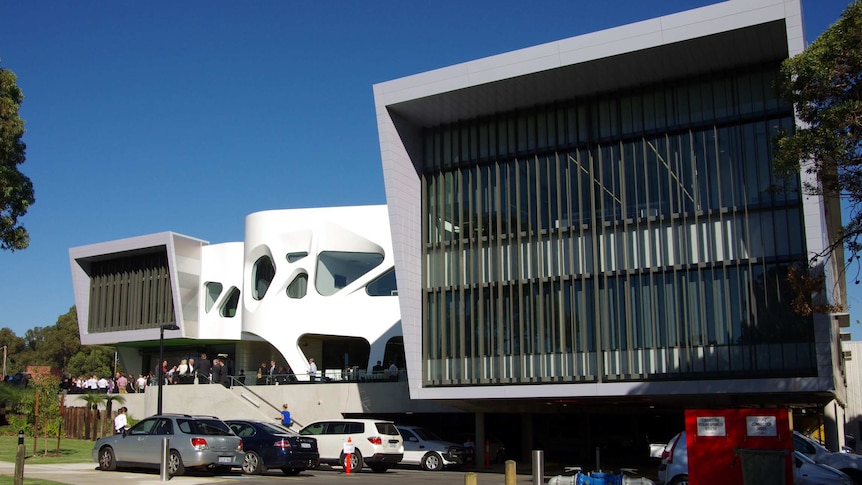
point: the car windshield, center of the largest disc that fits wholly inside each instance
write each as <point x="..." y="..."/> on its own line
<point x="207" y="427"/>
<point x="803" y="458"/>
<point x="807" y="445"/>
<point x="426" y="435"/>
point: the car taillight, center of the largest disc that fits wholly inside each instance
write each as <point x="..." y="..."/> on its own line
<point x="375" y="440"/>
<point x="664" y="454"/>
<point x="282" y="444"/>
<point x="239" y="446"/>
<point x="199" y="444"/>
<point x="672" y="448"/>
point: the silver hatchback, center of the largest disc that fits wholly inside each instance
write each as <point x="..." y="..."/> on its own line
<point x="195" y="442"/>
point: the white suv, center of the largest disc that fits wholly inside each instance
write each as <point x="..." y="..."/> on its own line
<point x="377" y="443"/>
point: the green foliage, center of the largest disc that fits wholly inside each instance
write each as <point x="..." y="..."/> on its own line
<point x="45" y="388"/>
<point x="93" y="399"/>
<point x="17" y="422"/>
<point x="59" y="347"/>
<point x="91" y="360"/>
<point x="54" y="346"/>
<point x="16" y="189"/>
<point x="825" y="85"/>
<point x="12" y="395"/>
<point x="14" y="347"/>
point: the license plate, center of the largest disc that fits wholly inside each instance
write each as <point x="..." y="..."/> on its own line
<point x="305" y="445"/>
<point x="225" y="459"/>
<point x="393" y="445"/>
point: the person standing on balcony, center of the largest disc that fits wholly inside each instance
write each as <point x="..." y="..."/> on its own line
<point x="312" y="370"/>
<point x="393" y="371"/>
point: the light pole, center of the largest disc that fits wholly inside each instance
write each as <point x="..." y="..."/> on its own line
<point x="170" y="326"/>
<point x="4" y="362"/>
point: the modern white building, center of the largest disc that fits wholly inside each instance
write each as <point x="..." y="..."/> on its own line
<point x="304" y="283"/>
<point x="587" y="236"/>
<point x="591" y="226"/>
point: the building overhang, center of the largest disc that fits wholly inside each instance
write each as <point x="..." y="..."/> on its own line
<point x="692" y="43"/>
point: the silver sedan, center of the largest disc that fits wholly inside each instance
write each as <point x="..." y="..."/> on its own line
<point x="195" y="442"/>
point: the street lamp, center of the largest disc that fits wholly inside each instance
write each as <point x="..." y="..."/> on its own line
<point x="169" y="326"/>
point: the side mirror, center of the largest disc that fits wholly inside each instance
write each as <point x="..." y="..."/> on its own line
<point x="125" y="432"/>
<point x="798" y="462"/>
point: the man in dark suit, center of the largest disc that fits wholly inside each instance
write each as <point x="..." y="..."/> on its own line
<point x="272" y="373"/>
<point x="217" y="370"/>
<point x="204" y="370"/>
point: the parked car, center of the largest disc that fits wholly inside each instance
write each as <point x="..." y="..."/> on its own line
<point x="268" y="445"/>
<point x="195" y="442"/>
<point x="424" y="448"/>
<point x="377" y="443"/>
<point x="21" y="379"/>
<point x="673" y="469"/>
<point x="849" y="463"/>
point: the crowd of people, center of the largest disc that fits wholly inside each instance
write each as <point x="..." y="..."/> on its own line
<point x="204" y="371"/>
<point x="200" y="371"/>
<point x="118" y="384"/>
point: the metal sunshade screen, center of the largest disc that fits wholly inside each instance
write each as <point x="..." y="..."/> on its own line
<point x="130" y="293"/>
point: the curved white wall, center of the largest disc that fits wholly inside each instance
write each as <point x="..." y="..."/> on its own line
<point x="220" y="263"/>
<point x="349" y="311"/>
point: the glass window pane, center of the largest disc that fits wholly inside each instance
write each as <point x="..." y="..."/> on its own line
<point x="385" y="285"/>
<point x="261" y="276"/>
<point x="336" y="270"/>
<point x="298" y="288"/>
<point x="213" y="290"/>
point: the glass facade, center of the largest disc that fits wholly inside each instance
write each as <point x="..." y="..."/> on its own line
<point x="630" y="236"/>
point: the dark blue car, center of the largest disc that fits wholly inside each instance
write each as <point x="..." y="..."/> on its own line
<point x="268" y="445"/>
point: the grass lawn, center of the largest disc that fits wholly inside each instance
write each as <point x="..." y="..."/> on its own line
<point x="71" y="451"/>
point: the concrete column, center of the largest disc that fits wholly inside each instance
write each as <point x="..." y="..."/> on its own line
<point x="479" y="419"/>
<point x="526" y="437"/>
<point x="833" y="426"/>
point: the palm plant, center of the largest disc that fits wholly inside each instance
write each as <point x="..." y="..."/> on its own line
<point x="109" y="404"/>
<point x="93" y="400"/>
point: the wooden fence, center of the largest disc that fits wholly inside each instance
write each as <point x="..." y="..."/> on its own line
<point x="87" y="424"/>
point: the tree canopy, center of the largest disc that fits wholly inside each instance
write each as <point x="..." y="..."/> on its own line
<point x="16" y="189"/>
<point x="823" y="83"/>
<point x="58" y="346"/>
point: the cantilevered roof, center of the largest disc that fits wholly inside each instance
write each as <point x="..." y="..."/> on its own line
<point x="695" y="42"/>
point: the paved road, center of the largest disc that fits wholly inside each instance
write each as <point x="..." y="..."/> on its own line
<point x="88" y="474"/>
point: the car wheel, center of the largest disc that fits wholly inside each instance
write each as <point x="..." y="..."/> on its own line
<point x="854" y="475"/>
<point x="252" y="464"/>
<point x="680" y="480"/>
<point x="107" y="462"/>
<point x="379" y="468"/>
<point x="291" y="471"/>
<point x="355" y="461"/>
<point x="432" y="462"/>
<point x="175" y="464"/>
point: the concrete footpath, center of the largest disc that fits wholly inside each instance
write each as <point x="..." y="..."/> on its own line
<point x="88" y="474"/>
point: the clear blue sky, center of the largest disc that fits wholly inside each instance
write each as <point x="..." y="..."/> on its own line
<point x="145" y="117"/>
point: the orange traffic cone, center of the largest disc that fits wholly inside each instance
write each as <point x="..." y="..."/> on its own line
<point x="349" y="457"/>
